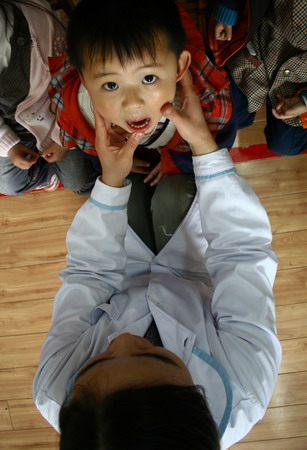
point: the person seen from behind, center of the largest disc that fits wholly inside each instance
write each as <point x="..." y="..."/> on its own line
<point x="176" y="350"/>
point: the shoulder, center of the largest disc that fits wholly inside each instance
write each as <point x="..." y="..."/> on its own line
<point x="64" y="76"/>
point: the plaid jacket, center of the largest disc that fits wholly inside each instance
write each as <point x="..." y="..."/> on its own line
<point x="210" y="83"/>
<point x="280" y="64"/>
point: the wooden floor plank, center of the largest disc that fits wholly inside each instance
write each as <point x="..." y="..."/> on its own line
<point x="261" y="115"/>
<point x="291" y="321"/>
<point x="27" y="347"/>
<point x="25" y="415"/>
<point x="291" y="389"/>
<point x="291" y="286"/>
<point x="14" y="317"/>
<point x="5" y="420"/>
<point x="42" y="439"/>
<point x="37" y="211"/>
<point x="32" y="247"/>
<point x="280" y="423"/>
<point x="276" y="176"/>
<point x="37" y="282"/>
<point x="287" y="212"/>
<point x="291" y="249"/>
<point x="16" y="383"/>
<point x="294" y="356"/>
<point x="247" y="135"/>
<point x="274" y="444"/>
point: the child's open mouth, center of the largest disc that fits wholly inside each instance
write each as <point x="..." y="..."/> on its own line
<point x="140" y="125"/>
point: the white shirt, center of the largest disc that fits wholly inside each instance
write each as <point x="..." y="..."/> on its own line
<point x="209" y="291"/>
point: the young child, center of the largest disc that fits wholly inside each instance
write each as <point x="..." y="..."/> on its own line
<point x="31" y="156"/>
<point x="263" y="44"/>
<point x="125" y="59"/>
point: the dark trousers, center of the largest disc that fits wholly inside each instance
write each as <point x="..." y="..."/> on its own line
<point x="154" y="212"/>
<point x="281" y="138"/>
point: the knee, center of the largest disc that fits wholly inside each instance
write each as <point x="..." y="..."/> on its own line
<point x="7" y="191"/>
<point x="8" y="187"/>
<point x="71" y="185"/>
<point x="288" y="142"/>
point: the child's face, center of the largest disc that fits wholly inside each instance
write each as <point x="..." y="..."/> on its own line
<point x="132" y="96"/>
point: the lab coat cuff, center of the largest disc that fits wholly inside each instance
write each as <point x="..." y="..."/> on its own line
<point x="213" y="164"/>
<point x="110" y="198"/>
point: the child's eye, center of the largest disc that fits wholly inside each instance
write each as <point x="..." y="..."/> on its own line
<point x="149" y="79"/>
<point x="110" y="86"/>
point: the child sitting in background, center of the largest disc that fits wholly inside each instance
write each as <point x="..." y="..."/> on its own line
<point x="264" y="44"/>
<point x="30" y="154"/>
<point x="127" y="59"/>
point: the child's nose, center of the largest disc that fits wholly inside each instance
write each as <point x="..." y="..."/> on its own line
<point x="132" y="100"/>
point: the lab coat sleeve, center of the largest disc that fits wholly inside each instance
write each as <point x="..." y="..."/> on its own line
<point x="96" y="264"/>
<point x="242" y="266"/>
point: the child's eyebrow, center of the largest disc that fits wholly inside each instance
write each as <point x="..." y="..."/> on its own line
<point x="144" y="66"/>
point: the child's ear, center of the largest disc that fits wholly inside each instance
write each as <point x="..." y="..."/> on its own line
<point x="81" y="78"/>
<point x="184" y="62"/>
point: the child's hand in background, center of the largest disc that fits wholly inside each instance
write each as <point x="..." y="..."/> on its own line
<point x="155" y="175"/>
<point x="54" y="153"/>
<point x="22" y="156"/>
<point x="222" y="32"/>
<point x="140" y="166"/>
<point x="287" y="108"/>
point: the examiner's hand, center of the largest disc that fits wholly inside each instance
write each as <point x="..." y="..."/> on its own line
<point x="114" y="152"/>
<point x="189" y="119"/>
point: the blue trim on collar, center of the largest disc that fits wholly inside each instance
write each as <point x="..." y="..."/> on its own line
<point x="214" y="175"/>
<point x="108" y="207"/>
<point x="226" y="381"/>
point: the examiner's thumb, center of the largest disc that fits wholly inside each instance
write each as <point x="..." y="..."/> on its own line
<point x="133" y="141"/>
<point x="170" y="112"/>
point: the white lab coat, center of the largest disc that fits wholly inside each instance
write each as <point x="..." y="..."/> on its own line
<point x="209" y="291"/>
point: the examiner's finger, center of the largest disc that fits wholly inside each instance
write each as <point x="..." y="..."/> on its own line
<point x="100" y="128"/>
<point x="132" y="142"/>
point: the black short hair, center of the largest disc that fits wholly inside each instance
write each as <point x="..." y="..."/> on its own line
<point x="164" y="417"/>
<point x="125" y="28"/>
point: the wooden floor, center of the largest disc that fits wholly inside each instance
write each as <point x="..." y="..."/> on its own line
<point x="33" y="229"/>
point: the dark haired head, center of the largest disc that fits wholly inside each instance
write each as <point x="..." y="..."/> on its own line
<point x="153" y="418"/>
<point x="126" y="29"/>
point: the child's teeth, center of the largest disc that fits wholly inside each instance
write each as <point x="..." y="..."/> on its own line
<point x="146" y="122"/>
